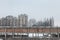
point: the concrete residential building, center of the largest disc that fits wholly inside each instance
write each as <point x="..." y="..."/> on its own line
<point x="52" y="21"/>
<point x="9" y="20"/>
<point x="3" y="21"/>
<point x="31" y="22"/>
<point x="15" y="22"/>
<point x="22" y="20"/>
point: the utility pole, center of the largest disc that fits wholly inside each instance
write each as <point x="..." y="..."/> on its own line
<point x="5" y="33"/>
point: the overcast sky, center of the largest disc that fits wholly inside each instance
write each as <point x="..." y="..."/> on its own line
<point x="38" y="9"/>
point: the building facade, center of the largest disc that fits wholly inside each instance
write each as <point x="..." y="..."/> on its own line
<point x="22" y="20"/>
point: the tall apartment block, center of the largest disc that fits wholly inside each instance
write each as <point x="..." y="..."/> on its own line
<point x="22" y="20"/>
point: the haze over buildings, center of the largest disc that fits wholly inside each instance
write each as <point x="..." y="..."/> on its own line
<point x="23" y="21"/>
<point x="38" y="9"/>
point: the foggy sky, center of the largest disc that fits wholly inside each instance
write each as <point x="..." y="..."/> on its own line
<point x="38" y="9"/>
